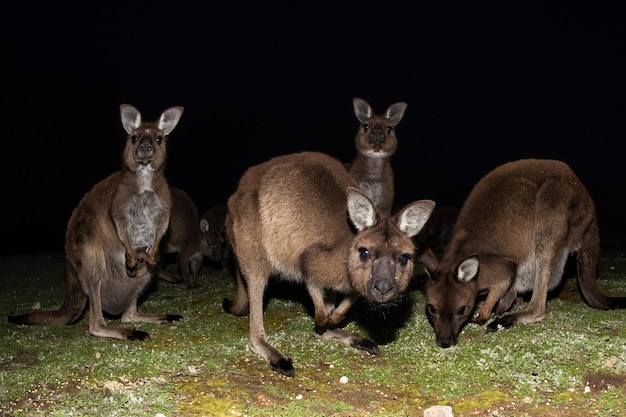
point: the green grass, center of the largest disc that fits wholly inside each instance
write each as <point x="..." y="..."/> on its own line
<point x="573" y="363"/>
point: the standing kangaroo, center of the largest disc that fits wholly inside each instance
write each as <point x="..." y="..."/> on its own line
<point x="117" y="225"/>
<point x="184" y="238"/>
<point x="376" y="142"/>
<point x="288" y="218"/>
<point x="514" y="234"/>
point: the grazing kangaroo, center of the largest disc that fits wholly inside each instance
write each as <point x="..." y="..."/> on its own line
<point x="301" y="217"/>
<point x="184" y="238"/>
<point x="117" y="226"/>
<point x="376" y="142"/>
<point x="514" y="234"/>
<point x="214" y="242"/>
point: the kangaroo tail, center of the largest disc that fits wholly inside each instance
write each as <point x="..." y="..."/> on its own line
<point x="587" y="258"/>
<point x="69" y="312"/>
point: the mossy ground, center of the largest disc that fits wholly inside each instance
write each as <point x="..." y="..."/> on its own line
<point x="573" y="363"/>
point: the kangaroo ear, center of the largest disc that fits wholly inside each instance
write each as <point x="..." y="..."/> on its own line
<point x="360" y="208"/>
<point x="395" y="112"/>
<point x="204" y="225"/>
<point x="414" y="216"/>
<point x="131" y="118"/>
<point x="468" y="269"/>
<point x="362" y="109"/>
<point x="169" y="119"/>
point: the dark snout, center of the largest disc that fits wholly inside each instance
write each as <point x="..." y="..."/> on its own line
<point x="383" y="285"/>
<point x="377" y="139"/>
<point x="145" y="150"/>
<point x="446" y="342"/>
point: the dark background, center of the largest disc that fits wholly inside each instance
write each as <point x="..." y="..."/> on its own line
<point x="486" y="82"/>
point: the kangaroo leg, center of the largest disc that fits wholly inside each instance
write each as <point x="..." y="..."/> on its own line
<point x="258" y="339"/>
<point x="97" y="325"/>
<point x="325" y="322"/>
<point x="239" y="306"/>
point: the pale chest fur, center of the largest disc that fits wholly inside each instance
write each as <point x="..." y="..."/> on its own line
<point x="143" y="211"/>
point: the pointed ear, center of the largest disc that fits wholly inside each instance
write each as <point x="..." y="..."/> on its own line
<point x="395" y="112"/>
<point x="414" y="216"/>
<point x="360" y="208"/>
<point x="169" y="119"/>
<point x="131" y="118"/>
<point x="428" y="259"/>
<point x="468" y="269"/>
<point x="362" y="109"/>
<point x="204" y="225"/>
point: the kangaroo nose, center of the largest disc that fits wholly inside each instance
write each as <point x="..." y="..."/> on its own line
<point x="445" y="343"/>
<point x="384" y="287"/>
<point x="145" y="147"/>
<point x="377" y="137"/>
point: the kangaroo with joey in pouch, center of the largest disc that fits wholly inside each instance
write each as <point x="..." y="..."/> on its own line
<point x="513" y="236"/>
<point x="113" y="235"/>
<point x="376" y="143"/>
<point x="302" y="217"/>
<point x="185" y="238"/>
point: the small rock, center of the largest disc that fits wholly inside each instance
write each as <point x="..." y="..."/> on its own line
<point x="438" y="411"/>
<point x="343" y="380"/>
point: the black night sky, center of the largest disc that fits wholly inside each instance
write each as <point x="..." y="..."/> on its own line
<point x="485" y="82"/>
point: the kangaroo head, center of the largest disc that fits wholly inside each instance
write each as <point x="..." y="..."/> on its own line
<point x="376" y="135"/>
<point x="146" y="142"/>
<point x="380" y="263"/>
<point x="212" y="241"/>
<point x="450" y="296"/>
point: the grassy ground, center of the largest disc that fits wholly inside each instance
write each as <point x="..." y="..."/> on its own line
<point x="571" y="364"/>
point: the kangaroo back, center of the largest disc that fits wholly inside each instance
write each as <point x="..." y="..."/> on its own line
<point x="514" y="234"/>
<point x="300" y="217"/>
<point x="113" y="234"/>
<point x="375" y="143"/>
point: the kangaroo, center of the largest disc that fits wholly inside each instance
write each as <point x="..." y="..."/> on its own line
<point x="117" y="226"/>
<point x="514" y="234"/>
<point x="376" y="142"/>
<point x="300" y="216"/>
<point x="214" y="241"/>
<point x="184" y="238"/>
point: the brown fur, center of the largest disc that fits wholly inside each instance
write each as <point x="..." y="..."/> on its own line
<point x="184" y="237"/>
<point x="215" y="243"/>
<point x="288" y="218"/>
<point x="513" y="235"/>
<point x="117" y="226"/>
<point x="375" y="143"/>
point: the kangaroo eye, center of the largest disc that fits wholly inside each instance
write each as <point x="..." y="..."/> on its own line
<point x="134" y="139"/>
<point x="158" y="139"/>
<point x="404" y="259"/>
<point x="364" y="253"/>
<point x="366" y="127"/>
<point x="389" y="129"/>
<point x="461" y="311"/>
<point x="430" y="309"/>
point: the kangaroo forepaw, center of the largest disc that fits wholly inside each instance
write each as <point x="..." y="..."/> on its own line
<point x="368" y="346"/>
<point x="138" y="335"/>
<point x="505" y="322"/>
<point x="284" y="366"/>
